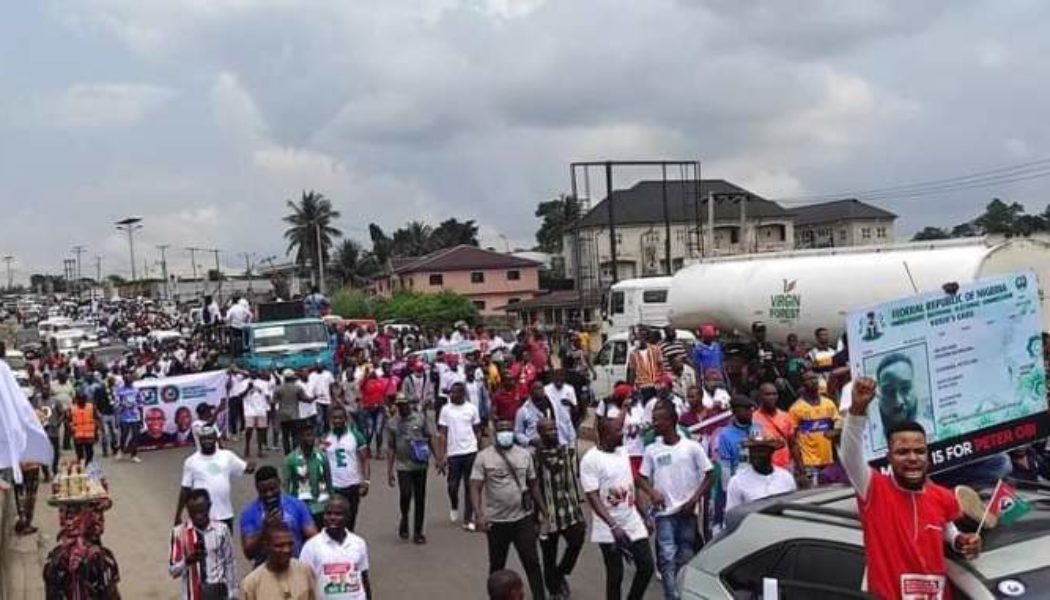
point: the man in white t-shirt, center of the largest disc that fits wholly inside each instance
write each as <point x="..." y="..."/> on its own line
<point x="319" y="385"/>
<point x="459" y="426"/>
<point x="676" y="475"/>
<point x="239" y="314"/>
<point x="759" y="478"/>
<point x="337" y="557"/>
<point x="256" y="395"/>
<point x="210" y="468"/>
<point x="558" y="391"/>
<point x="346" y="449"/>
<point x="617" y="527"/>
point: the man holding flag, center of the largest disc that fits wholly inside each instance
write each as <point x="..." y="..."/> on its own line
<point x="906" y="518"/>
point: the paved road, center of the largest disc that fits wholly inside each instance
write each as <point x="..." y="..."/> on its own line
<point x="452" y="565"/>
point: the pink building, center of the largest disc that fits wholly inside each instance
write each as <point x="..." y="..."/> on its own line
<point x="490" y="279"/>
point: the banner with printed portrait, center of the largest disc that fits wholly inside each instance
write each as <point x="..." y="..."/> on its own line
<point x="170" y="407"/>
<point x="967" y="366"/>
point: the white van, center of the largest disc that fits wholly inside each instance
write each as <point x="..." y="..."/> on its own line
<point x="610" y="365"/>
<point x="633" y="302"/>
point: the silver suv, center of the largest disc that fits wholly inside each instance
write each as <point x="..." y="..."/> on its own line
<point x="811" y="543"/>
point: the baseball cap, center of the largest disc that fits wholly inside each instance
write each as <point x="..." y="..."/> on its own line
<point x="287" y="373"/>
<point x="623" y="391"/>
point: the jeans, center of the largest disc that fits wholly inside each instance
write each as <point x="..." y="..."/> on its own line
<point x="353" y="498"/>
<point x="110" y="434"/>
<point x="643" y="569"/>
<point x="129" y="437"/>
<point x="675" y="543"/>
<point x="459" y="468"/>
<point x="522" y="533"/>
<point x="57" y="453"/>
<point x="372" y="421"/>
<point x="412" y="486"/>
<point x="555" y="573"/>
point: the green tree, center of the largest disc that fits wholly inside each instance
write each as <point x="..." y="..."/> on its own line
<point x="382" y="245"/>
<point x="429" y="310"/>
<point x="354" y="304"/>
<point x="999" y="218"/>
<point x="451" y="233"/>
<point x="309" y="219"/>
<point x="558" y="216"/>
<point x="931" y="233"/>
<point x="354" y="266"/>
<point x="414" y="239"/>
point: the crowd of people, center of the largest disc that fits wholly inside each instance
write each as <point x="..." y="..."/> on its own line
<point x="691" y="433"/>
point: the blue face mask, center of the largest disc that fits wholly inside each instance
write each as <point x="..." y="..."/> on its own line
<point x="505" y="439"/>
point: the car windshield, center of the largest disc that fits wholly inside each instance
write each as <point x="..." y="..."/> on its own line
<point x="277" y="336"/>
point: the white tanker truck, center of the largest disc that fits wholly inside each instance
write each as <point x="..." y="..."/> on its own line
<point x="797" y="292"/>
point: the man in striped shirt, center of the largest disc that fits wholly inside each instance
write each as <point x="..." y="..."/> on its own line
<point x="645" y="364"/>
<point x="202" y="553"/>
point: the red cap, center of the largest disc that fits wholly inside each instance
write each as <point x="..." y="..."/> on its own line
<point x="623" y="391"/>
<point x="708" y="330"/>
<point x="665" y="380"/>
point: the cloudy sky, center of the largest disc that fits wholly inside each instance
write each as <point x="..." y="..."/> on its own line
<point x="203" y="116"/>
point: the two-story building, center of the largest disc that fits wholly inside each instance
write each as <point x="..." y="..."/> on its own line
<point x="841" y="223"/>
<point x="743" y="222"/>
<point x="490" y="279"/>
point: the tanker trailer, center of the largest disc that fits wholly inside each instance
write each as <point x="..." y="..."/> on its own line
<point x="799" y="291"/>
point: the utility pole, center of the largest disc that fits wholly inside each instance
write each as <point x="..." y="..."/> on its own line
<point x="164" y="268"/>
<point x="320" y="258"/>
<point x="130" y="225"/>
<point x="10" y="281"/>
<point x="78" y="250"/>
<point x="193" y="260"/>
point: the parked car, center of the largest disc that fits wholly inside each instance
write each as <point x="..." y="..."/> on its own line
<point x="811" y="543"/>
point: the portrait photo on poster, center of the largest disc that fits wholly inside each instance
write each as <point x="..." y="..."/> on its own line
<point x="903" y="392"/>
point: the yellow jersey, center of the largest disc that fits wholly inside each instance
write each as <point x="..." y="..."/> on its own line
<point x="811" y="421"/>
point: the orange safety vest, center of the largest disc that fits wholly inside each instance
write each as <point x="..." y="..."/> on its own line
<point x="83" y="421"/>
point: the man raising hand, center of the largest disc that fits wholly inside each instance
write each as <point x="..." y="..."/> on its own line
<point x="906" y="518"/>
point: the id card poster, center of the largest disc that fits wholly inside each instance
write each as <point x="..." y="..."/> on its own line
<point x="967" y="366"/>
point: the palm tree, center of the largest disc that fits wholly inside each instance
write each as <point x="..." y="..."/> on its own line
<point x="413" y="239"/>
<point x="353" y="265"/>
<point x="309" y="220"/>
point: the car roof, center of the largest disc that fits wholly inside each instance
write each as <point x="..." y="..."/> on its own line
<point x="830" y="513"/>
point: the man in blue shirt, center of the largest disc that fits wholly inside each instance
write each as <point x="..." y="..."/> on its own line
<point x="731" y="445"/>
<point x="270" y="509"/>
<point x="537" y="408"/>
<point x="315" y="304"/>
<point x="707" y="353"/>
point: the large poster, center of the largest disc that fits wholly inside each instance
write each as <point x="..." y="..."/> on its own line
<point x="967" y="366"/>
<point x="170" y="406"/>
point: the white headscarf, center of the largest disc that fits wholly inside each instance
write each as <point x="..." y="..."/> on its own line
<point x="22" y="438"/>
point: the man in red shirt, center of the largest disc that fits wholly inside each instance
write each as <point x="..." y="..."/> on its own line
<point x="906" y="518"/>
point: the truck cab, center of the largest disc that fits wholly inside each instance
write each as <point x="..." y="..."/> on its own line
<point x="610" y="365"/>
<point x="281" y="344"/>
<point x="634" y="302"/>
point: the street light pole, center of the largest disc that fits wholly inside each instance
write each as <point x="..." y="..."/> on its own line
<point x="164" y="269"/>
<point x="78" y="250"/>
<point x="9" y="259"/>
<point x="130" y="224"/>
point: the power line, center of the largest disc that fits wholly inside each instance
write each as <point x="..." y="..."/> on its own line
<point x="1001" y="175"/>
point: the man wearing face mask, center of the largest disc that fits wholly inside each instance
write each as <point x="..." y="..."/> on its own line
<point x="906" y="518"/>
<point x="505" y="495"/>
<point x="337" y="557"/>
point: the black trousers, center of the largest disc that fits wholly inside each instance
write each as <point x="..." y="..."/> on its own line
<point x="642" y="555"/>
<point x="459" y="468"/>
<point x="289" y="429"/>
<point x="523" y="534"/>
<point x="235" y="420"/>
<point x="56" y="446"/>
<point x="353" y="497"/>
<point x="555" y="572"/>
<point x="85" y="450"/>
<point x="412" y="486"/>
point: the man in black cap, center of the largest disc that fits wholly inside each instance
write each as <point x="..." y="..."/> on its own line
<point x="731" y="444"/>
<point x="759" y="478"/>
